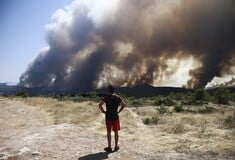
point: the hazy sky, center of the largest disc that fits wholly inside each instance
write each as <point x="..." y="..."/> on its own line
<point x="22" y="30"/>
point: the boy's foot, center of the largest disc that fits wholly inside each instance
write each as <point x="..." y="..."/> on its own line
<point x="116" y="148"/>
<point x="108" y="149"/>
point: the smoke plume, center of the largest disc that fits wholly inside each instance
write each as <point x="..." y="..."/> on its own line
<point x="129" y="42"/>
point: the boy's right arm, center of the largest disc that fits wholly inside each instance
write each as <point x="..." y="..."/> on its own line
<point x="123" y="104"/>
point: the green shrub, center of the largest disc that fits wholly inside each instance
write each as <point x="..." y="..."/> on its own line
<point x="5" y="95"/>
<point x="200" y="95"/>
<point x="188" y="96"/>
<point x="222" y="95"/>
<point x="60" y="96"/>
<point x="22" y="94"/>
<point x="136" y="103"/>
<point x="178" y="108"/>
<point x="164" y="101"/>
<point x="93" y="97"/>
<point x="176" y="96"/>
<point x="193" y="102"/>
<point x="233" y="97"/>
<point x="151" y="120"/>
<point x="79" y="97"/>
<point x="162" y="109"/>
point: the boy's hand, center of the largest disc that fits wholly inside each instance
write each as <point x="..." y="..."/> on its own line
<point x="101" y="108"/>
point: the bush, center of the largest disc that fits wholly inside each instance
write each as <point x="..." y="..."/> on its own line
<point x="233" y="97"/>
<point x="79" y="97"/>
<point x="5" y="95"/>
<point x="176" y="96"/>
<point x="222" y="95"/>
<point x="193" y="102"/>
<point x="22" y="94"/>
<point x="164" y="101"/>
<point x="128" y="99"/>
<point x="200" y="95"/>
<point x="178" y="108"/>
<point x="151" y="120"/>
<point x="60" y="97"/>
<point x="136" y="103"/>
<point x="162" y="109"/>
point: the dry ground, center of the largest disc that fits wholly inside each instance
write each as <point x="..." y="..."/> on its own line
<point x="44" y="128"/>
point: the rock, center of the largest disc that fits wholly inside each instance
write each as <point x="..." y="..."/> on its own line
<point x="36" y="153"/>
<point x="1" y="155"/>
<point x="24" y="150"/>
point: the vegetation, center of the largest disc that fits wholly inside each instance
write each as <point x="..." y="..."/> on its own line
<point x="146" y="122"/>
<point x="178" y="108"/>
<point x="79" y="97"/>
<point x="176" y="96"/>
<point x="164" y="101"/>
<point x="23" y="94"/>
<point x="151" y="120"/>
<point x="197" y="97"/>
<point x="222" y="95"/>
<point x="196" y="114"/>
<point x="200" y="95"/>
<point x="162" y="109"/>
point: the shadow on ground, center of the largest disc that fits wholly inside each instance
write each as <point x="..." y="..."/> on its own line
<point x="95" y="156"/>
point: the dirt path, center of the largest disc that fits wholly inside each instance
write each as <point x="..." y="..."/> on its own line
<point x="29" y="132"/>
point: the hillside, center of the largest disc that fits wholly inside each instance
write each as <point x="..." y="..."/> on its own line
<point x="137" y="91"/>
<point x="143" y="90"/>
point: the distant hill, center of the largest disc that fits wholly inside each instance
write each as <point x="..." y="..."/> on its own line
<point x="143" y="90"/>
<point x="146" y="90"/>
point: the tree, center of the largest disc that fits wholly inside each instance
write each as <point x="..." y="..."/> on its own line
<point x="222" y="95"/>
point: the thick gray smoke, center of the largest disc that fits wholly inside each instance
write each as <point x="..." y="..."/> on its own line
<point x="129" y="42"/>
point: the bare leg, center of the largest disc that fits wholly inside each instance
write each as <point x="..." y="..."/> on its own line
<point x="109" y="138"/>
<point x="116" y="139"/>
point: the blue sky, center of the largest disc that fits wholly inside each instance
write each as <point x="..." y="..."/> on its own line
<point x="22" y="30"/>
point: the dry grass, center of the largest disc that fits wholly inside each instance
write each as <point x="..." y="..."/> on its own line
<point x="66" y="111"/>
<point x="205" y="132"/>
<point x="194" y="133"/>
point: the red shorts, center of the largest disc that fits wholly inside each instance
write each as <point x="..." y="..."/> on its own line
<point x="113" y="125"/>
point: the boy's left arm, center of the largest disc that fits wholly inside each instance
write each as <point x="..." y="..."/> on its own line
<point x="100" y="107"/>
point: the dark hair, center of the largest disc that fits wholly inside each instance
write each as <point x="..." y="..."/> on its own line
<point x="111" y="89"/>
